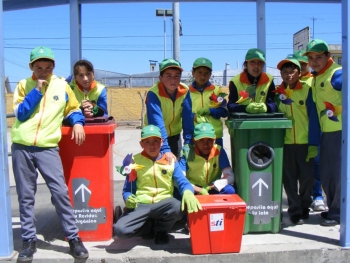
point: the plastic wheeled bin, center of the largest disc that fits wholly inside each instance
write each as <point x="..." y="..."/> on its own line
<point x="218" y="228"/>
<point x="257" y="157"/>
<point x="88" y="170"/>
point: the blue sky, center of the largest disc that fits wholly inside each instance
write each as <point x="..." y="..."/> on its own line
<point x="124" y="37"/>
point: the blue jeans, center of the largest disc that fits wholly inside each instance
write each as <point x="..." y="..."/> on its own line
<point x="316" y="189"/>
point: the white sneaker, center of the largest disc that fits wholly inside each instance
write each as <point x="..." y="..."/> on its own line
<point x="318" y="205"/>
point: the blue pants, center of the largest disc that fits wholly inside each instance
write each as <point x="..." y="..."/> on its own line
<point x="316" y="189"/>
<point x="26" y="160"/>
<point x="132" y="223"/>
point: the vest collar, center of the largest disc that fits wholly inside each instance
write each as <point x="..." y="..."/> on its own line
<point x="246" y="78"/>
<point x="297" y="86"/>
<point x="179" y="92"/>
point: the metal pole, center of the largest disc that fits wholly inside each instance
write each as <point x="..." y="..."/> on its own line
<point x="345" y="168"/>
<point x="75" y="32"/>
<point x="164" y="35"/>
<point x="261" y="25"/>
<point x="176" y="31"/>
<point x="6" y="235"/>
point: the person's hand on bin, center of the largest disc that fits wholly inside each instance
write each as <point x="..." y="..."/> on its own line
<point x="191" y="202"/>
<point x="255" y="107"/>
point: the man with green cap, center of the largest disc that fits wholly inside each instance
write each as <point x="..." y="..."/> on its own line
<point x="210" y="171"/>
<point x="151" y="209"/>
<point x="318" y="200"/>
<point x="294" y="99"/>
<point x="327" y="93"/>
<point x="40" y="103"/>
<point x="169" y="107"/>
<point x="208" y="100"/>
<point x="251" y="91"/>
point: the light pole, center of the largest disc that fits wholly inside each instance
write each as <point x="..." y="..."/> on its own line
<point x="164" y="13"/>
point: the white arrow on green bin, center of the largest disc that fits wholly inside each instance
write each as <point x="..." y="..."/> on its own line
<point x="260" y="182"/>
<point x="83" y="188"/>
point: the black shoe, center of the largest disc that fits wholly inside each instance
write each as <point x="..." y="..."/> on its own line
<point x="28" y="249"/>
<point x="324" y="215"/>
<point x="296" y="220"/>
<point x="305" y="213"/>
<point x="161" y="238"/>
<point x="77" y="248"/>
<point x="329" y="222"/>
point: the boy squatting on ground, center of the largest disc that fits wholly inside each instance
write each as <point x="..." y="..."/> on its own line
<point x="210" y="171"/>
<point x="41" y="102"/>
<point x="300" y="142"/>
<point x="206" y="100"/>
<point x="151" y="209"/>
<point x="169" y="107"/>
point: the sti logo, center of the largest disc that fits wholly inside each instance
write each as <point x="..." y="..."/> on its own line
<point x="217" y="222"/>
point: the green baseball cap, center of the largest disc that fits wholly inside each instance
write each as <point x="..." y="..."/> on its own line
<point x="299" y="55"/>
<point x="169" y="63"/>
<point x="204" y="130"/>
<point x="255" y="53"/>
<point x="202" y="62"/>
<point x="41" y="52"/>
<point x="150" y="131"/>
<point x="317" y="46"/>
<point x="291" y="59"/>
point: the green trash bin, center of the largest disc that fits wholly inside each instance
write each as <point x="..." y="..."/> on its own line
<point x="257" y="152"/>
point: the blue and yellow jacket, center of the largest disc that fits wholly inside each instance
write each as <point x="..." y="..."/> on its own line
<point x="171" y="114"/>
<point x="39" y="115"/>
<point x="202" y="172"/>
<point x="327" y="87"/>
<point x="97" y="94"/>
<point x="156" y="180"/>
<point x="201" y="99"/>
<point x="302" y="112"/>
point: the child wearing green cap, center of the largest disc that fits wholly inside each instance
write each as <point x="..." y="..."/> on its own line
<point x="40" y="103"/>
<point x="208" y="100"/>
<point x="318" y="200"/>
<point x="251" y="91"/>
<point x="148" y="192"/>
<point x="294" y="98"/>
<point x="169" y="107"/>
<point x="210" y="171"/>
<point x="327" y="93"/>
<point x="90" y="93"/>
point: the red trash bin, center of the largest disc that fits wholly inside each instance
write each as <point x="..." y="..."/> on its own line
<point x="218" y="228"/>
<point x="88" y="170"/>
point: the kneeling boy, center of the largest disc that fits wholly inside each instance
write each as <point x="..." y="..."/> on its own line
<point x="148" y="193"/>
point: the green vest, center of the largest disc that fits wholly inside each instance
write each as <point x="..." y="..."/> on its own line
<point x="262" y="87"/>
<point x="171" y="111"/>
<point x="155" y="181"/>
<point x="297" y="112"/>
<point x="201" y="100"/>
<point x="323" y="91"/>
<point x="202" y="172"/>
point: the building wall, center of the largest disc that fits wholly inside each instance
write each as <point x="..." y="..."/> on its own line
<point x="124" y="104"/>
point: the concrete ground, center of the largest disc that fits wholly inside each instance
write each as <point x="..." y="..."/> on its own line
<point x="303" y="243"/>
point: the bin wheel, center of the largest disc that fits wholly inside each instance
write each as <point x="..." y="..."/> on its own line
<point x="117" y="214"/>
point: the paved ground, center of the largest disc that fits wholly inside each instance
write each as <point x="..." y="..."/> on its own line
<point x="305" y="243"/>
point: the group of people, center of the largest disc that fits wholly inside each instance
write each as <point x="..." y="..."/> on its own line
<point x="162" y="181"/>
